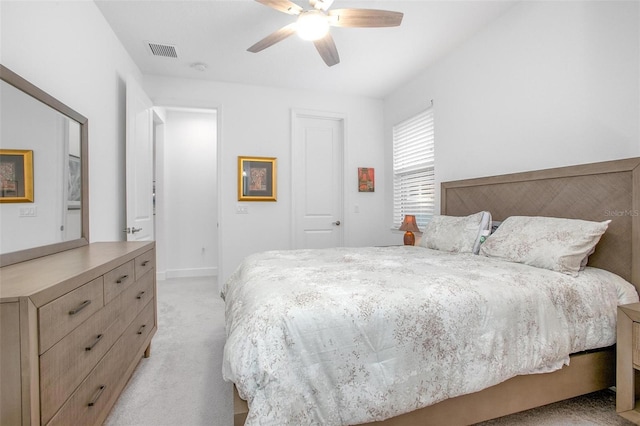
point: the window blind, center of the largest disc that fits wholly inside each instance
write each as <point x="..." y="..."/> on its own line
<point x="413" y="169"/>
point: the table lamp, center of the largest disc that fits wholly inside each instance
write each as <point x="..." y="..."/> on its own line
<point x="409" y="225"/>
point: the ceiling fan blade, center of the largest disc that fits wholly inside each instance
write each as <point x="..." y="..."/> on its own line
<point x="285" y="6"/>
<point x="327" y="49"/>
<point x="364" y="18"/>
<point x="273" y="38"/>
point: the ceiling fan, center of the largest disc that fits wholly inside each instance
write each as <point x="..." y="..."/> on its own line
<point x="314" y="24"/>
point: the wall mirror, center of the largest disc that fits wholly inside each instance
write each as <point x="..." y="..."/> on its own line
<point x="43" y="143"/>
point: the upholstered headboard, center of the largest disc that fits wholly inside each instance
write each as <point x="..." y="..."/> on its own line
<point x="598" y="191"/>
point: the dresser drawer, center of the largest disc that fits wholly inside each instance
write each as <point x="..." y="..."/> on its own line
<point x="136" y="334"/>
<point x="144" y="263"/>
<point x="132" y="301"/>
<point x="65" y="313"/>
<point x="90" y="403"/>
<point x="68" y="362"/>
<point x="117" y="280"/>
<point x="136" y="298"/>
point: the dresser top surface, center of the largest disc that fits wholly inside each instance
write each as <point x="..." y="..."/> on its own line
<point x="72" y="267"/>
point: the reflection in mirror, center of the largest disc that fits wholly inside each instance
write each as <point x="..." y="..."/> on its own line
<point x="56" y="220"/>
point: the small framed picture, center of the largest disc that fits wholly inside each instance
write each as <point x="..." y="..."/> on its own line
<point x="257" y="179"/>
<point x="366" y="179"/>
<point x="74" y="183"/>
<point x="16" y="176"/>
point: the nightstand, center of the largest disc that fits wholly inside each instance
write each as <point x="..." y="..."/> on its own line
<point x="628" y="361"/>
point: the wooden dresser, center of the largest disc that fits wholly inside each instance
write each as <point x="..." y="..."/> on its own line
<point x="73" y="327"/>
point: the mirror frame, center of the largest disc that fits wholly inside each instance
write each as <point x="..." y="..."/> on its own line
<point x="23" y="85"/>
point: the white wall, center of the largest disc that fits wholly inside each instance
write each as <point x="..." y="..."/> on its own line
<point x="68" y="50"/>
<point x="547" y="84"/>
<point x="189" y="209"/>
<point x="256" y="121"/>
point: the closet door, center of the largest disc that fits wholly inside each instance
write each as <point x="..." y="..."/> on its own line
<point x="317" y="176"/>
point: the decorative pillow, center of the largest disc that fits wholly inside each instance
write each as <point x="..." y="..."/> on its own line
<point x="456" y="234"/>
<point x="545" y="242"/>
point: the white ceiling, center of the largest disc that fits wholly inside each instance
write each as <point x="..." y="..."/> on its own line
<point x="373" y="61"/>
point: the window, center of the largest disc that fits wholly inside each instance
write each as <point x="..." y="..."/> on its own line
<point x="413" y="169"/>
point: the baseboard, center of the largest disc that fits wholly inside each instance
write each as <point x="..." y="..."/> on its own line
<point x="187" y="273"/>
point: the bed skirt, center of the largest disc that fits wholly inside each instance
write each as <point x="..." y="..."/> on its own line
<point x="587" y="372"/>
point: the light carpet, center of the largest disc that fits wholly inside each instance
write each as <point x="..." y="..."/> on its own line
<point x="181" y="383"/>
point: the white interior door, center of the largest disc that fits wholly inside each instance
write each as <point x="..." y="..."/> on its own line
<point x="139" y="167"/>
<point x="317" y="176"/>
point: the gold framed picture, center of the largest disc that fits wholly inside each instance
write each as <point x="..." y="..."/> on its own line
<point x="257" y="178"/>
<point x="16" y="176"/>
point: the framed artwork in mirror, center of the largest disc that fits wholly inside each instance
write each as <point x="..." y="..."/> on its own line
<point x="16" y="176"/>
<point x="257" y="179"/>
<point x="74" y="183"/>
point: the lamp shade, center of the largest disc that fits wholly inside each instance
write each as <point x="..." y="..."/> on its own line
<point x="409" y="224"/>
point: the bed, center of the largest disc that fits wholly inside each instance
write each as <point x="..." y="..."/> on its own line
<point x="595" y="192"/>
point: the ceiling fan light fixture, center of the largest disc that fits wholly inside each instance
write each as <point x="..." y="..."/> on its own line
<point x="312" y="25"/>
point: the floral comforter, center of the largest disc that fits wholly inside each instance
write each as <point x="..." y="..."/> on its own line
<point x="351" y="335"/>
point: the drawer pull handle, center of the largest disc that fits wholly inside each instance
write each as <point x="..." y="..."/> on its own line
<point x="79" y="308"/>
<point x="95" y="342"/>
<point x="139" y="296"/>
<point x="145" y="263"/>
<point x="122" y="278"/>
<point x="97" y="395"/>
<point x="141" y="328"/>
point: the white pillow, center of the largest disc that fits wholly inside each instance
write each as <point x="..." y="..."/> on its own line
<point x="456" y="234"/>
<point x="545" y="242"/>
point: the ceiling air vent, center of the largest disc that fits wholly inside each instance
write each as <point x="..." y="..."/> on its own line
<point x="165" y="50"/>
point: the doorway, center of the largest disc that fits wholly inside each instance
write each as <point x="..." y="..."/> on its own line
<point x="187" y="193"/>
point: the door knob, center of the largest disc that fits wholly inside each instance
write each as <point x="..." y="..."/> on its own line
<point x="336" y="223"/>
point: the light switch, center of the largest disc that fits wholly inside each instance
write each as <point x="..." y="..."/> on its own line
<point x="242" y="210"/>
<point x="28" y="211"/>
<point x="356" y="209"/>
